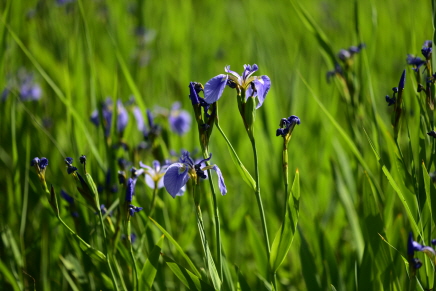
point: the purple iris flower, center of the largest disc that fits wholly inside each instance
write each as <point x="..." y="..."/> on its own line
<point x="415" y="61"/>
<point x="42" y="163"/>
<point x="133" y="209"/>
<point x="122" y="117"/>
<point x="29" y="90"/>
<point x="180" y="120"/>
<point x="131" y="183"/>
<point x="107" y="116"/>
<point x="214" y="87"/>
<point x="154" y="175"/>
<point x="139" y="119"/>
<point x="178" y="174"/>
<point x="286" y="124"/>
<point x="427" y="49"/>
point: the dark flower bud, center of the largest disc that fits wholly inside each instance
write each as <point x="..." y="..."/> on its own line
<point x="432" y="133"/>
<point x="82" y="159"/>
<point x="68" y="161"/>
<point x="43" y="163"/>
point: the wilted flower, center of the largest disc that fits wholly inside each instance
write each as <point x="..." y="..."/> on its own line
<point x="178" y="174"/>
<point x="214" y="87"/>
<point x="180" y="120"/>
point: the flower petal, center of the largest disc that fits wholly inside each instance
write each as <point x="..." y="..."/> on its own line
<point x="227" y="69"/>
<point x="262" y="84"/>
<point x="248" y="71"/>
<point x="214" y="88"/>
<point x="175" y="178"/>
<point x="221" y="184"/>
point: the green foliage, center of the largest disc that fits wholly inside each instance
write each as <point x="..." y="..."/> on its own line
<point x="358" y="192"/>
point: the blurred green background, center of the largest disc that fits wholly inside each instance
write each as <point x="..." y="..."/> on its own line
<point x="81" y="52"/>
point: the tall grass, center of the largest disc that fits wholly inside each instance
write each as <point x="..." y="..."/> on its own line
<point x="361" y="190"/>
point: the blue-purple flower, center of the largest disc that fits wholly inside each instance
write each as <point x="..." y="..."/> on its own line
<point x="214" y="87"/>
<point x="107" y="111"/>
<point x="180" y="120"/>
<point x="28" y="89"/>
<point x="133" y="209"/>
<point x="154" y="175"/>
<point x="178" y="174"/>
<point x="131" y="183"/>
<point x="413" y="246"/>
<point x="416" y="62"/>
<point x="139" y="119"/>
<point x="427" y="49"/>
<point x="287" y="124"/>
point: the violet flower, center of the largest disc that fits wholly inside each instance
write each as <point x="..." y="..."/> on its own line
<point x="180" y="120"/>
<point x="214" y="87"/>
<point x="154" y="175"/>
<point x="122" y="117"/>
<point x="178" y="174"/>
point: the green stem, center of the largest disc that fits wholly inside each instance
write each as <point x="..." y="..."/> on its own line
<point x="132" y="255"/>
<point x="259" y="199"/>
<point x="106" y="249"/>
<point x="217" y="218"/>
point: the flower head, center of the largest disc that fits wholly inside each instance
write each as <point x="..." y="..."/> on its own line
<point x="133" y="209"/>
<point x="154" y="175"/>
<point x="180" y="120"/>
<point x="287" y="125"/>
<point x="427" y="49"/>
<point x="29" y="90"/>
<point x="416" y="62"/>
<point x="178" y="174"/>
<point x="214" y="87"/>
<point x="122" y="117"/>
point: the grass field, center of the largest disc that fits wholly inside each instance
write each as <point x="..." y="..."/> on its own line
<point x="360" y="172"/>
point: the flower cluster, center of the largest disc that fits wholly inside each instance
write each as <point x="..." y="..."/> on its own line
<point x="346" y="57"/>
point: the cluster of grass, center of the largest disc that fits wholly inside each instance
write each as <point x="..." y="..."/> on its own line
<point x="362" y="188"/>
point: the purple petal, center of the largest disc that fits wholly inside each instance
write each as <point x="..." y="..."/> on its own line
<point x="175" y="178"/>
<point x="221" y="184"/>
<point x="262" y="86"/>
<point x="123" y="117"/>
<point x="214" y="88"/>
<point x="248" y="71"/>
<point x="180" y="122"/>
<point x="227" y="69"/>
<point x="149" y="181"/>
<point x="139" y="118"/>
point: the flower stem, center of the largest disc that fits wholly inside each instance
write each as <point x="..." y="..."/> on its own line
<point x="132" y="255"/>
<point x="259" y="199"/>
<point x="217" y="218"/>
<point x="106" y="250"/>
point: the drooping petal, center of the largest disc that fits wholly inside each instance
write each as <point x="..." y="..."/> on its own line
<point x="175" y="178"/>
<point x="262" y="86"/>
<point x="149" y="181"/>
<point x="221" y="184"/>
<point x="214" y="88"/>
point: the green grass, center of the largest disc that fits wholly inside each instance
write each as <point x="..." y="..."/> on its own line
<point x="350" y="199"/>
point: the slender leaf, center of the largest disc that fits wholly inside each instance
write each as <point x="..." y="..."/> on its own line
<point x="148" y="272"/>
<point x="178" y="247"/>
<point x="186" y="277"/>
